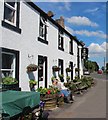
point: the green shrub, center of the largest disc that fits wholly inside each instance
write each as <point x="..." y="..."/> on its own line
<point x="9" y="80"/>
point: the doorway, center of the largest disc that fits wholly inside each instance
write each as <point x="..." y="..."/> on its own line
<point x="71" y="66"/>
<point x="42" y="71"/>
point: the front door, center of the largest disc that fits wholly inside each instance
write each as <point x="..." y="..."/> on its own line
<point x="42" y="71"/>
<point x="71" y="66"/>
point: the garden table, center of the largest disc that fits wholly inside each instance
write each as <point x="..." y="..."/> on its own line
<point x="13" y="102"/>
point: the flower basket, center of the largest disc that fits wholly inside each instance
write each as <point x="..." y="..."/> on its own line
<point x="61" y="76"/>
<point x="49" y="96"/>
<point x="68" y="78"/>
<point x="32" y="67"/>
<point x="68" y="70"/>
<point x="50" y="101"/>
<point x="32" y="83"/>
<point x="9" y="83"/>
<point x="77" y="69"/>
<point x="55" y="68"/>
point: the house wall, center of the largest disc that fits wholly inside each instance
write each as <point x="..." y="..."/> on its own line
<point x="81" y="62"/>
<point x="28" y="45"/>
<point x="1" y="16"/>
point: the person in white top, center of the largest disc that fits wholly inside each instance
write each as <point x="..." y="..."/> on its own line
<point x="63" y="90"/>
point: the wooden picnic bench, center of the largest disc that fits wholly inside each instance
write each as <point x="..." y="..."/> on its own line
<point x="79" y="89"/>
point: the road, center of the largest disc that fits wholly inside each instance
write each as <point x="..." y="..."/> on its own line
<point x="99" y="76"/>
<point x="90" y="105"/>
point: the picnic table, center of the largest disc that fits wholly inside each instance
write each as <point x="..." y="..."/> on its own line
<point x="13" y="102"/>
<point x="79" y="89"/>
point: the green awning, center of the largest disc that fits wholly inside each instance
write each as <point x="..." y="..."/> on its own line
<point x="13" y="102"/>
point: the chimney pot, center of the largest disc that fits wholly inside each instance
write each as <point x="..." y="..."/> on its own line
<point x="61" y="21"/>
<point x="50" y="14"/>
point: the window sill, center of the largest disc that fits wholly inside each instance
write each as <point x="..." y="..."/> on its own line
<point x="61" y="48"/>
<point x="42" y="40"/>
<point x="71" y="53"/>
<point x="11" y="27"/>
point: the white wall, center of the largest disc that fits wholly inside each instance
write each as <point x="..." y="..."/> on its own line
<point x="27" y="43"/>
<point x="1" y="16"/>
<point x="81" y="62"/>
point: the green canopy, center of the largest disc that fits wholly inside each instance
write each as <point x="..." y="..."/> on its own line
<point x="13" y="102"/>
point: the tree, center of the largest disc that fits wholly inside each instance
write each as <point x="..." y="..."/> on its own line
<point x="91" y="65"/>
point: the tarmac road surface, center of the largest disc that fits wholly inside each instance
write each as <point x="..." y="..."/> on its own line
<point x="92" y="104"/>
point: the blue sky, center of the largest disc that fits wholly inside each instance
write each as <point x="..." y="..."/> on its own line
<point x="86" y="20"/>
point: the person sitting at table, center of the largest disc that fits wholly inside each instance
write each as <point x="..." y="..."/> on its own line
<point x="63" y="90"/>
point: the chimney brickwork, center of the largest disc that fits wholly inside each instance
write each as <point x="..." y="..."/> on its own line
<point x="50" y="14"/>
<point x="61" y="22"/>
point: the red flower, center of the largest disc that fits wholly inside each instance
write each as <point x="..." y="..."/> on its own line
<point x="62" y="95"/>
<point x="48" y="92"/>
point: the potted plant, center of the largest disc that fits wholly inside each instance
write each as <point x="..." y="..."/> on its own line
<point x="61" y="76"/>
<point x="49" y="96"/>
<point x="32" y="67"/>
<point x="9" y="83"/>
<point x="32" y="83"/>
<point x="68" y="69"/>
<point x="52" y="78"/>
<point x="68" y="78"/>
<point x="77" y="69"/>
<point x="55" y="68"/>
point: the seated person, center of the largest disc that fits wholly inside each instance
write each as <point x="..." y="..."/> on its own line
<point x="63" y="90"/>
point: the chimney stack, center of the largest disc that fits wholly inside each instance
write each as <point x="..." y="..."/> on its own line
<point x="60" y="21"/>
<point x="50" y="14"/>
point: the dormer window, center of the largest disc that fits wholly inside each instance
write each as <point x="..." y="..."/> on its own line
<point x="43" y="30"/>
<point x="60" y="40"/>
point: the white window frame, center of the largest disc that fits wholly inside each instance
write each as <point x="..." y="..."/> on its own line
<point x="60" y="39"/>
<point x="43" y="27"/>
<point x="14" y="61"/>
<point x="15" y="13"/>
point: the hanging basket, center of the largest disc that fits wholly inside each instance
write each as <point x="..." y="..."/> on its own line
<point x="55" y="68"/>
<point x="32" y="67"/>
<point x="68" y="70"/>
<point x="77" y="69"/>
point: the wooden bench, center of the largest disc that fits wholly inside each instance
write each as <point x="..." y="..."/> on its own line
<point x="77" y="91"/>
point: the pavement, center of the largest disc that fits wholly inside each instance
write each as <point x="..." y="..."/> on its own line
<point x="92" y="104"/>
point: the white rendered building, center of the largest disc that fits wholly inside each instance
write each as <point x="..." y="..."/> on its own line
<point x="30" y="36"/>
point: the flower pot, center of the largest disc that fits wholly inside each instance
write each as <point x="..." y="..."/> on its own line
<point x="68" y="70"/>
<point x="55" y="68"/>
<point x="50" y="101"/>
<point x="32" y="88"/>
<point x="32" y="67"/>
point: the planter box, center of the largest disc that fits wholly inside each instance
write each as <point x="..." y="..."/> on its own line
<point x="60" y="101"/>
<point x="10" y="86"/>
<point x="50" y="101"/>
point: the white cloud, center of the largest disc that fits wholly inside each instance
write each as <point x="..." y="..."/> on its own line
<point x="87" y="33"/>
<point x="92" y="10"/>
<point x="96" y="50"/>
<point x="66" y="6"/>
<point x="78" y="20"/>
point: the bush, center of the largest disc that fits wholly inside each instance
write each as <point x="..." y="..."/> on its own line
<point x="50" y="90"/>
<point x="9" y="81"/>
